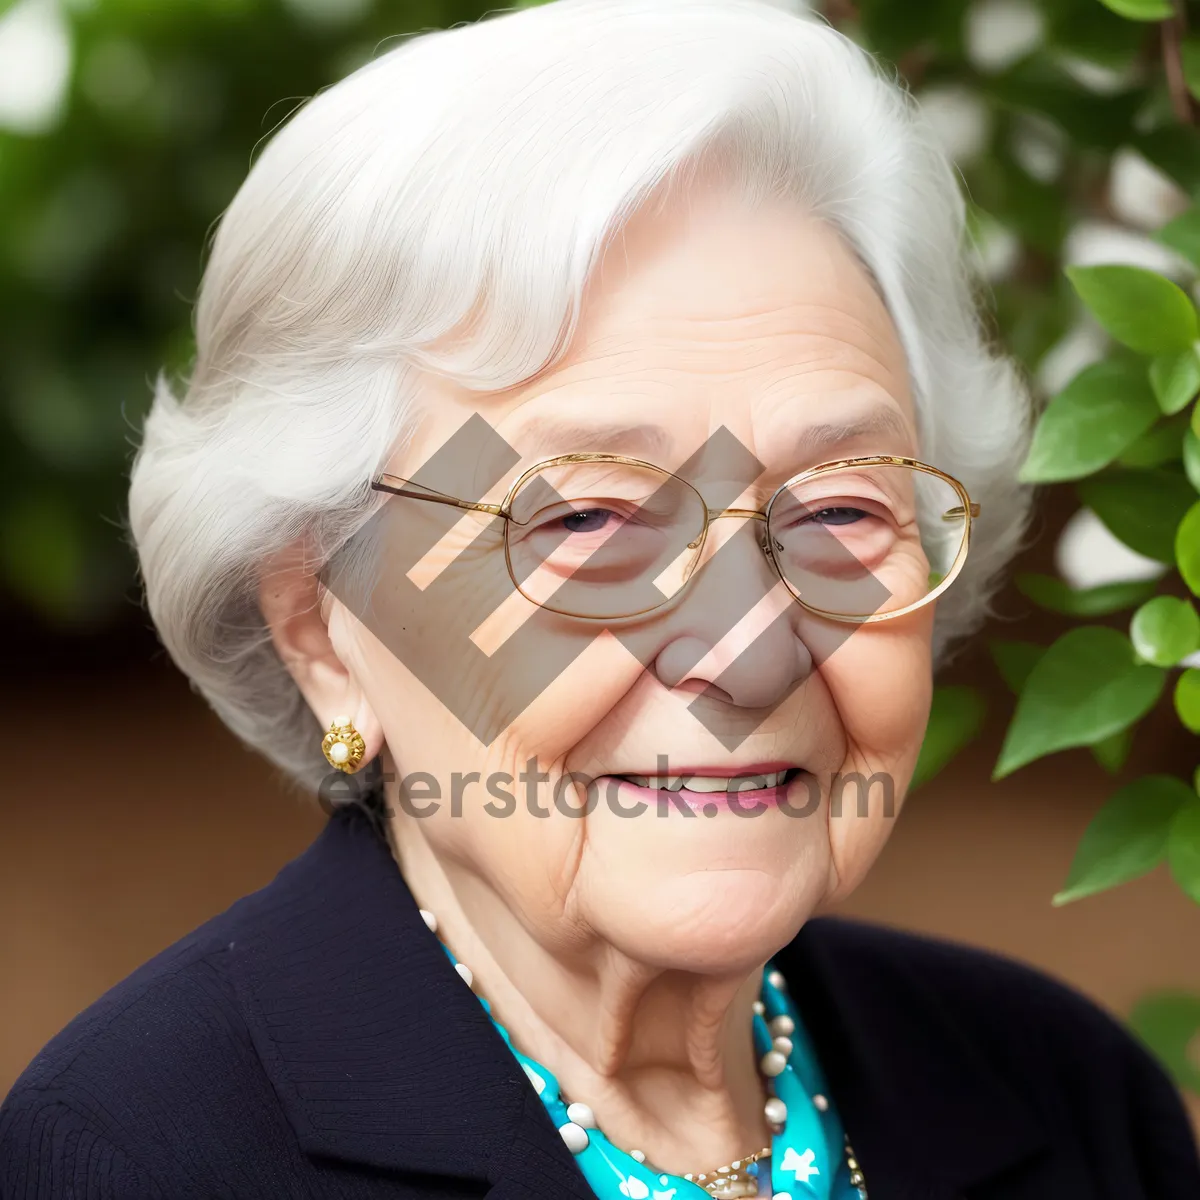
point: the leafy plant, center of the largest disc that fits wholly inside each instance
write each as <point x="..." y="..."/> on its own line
<point x="1094" y="683"/>
<point x="1124" y="432"/>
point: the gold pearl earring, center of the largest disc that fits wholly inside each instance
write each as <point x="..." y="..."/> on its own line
<point x="343" y="746"/>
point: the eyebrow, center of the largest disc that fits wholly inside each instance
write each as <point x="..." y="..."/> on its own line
<point x="654" y="443"/>
<point x="568" y="436"/>
<point x="880" y="420"/>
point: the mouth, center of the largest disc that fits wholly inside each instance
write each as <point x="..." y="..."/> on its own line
<point x="708" y="784"/>
<point x="706" y="790"/>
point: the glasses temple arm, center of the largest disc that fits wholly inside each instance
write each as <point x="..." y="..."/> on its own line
<point x="953" y="514"/>
<point x="436" y="497"/>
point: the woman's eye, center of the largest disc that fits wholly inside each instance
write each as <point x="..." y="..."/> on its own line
<point x="842" y="515"/>
<point x="587" y="520"/>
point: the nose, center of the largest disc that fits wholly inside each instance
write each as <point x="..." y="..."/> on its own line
<point x="734" y="634"/>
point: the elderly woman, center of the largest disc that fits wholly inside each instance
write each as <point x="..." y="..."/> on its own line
<point x="588" y="427"/>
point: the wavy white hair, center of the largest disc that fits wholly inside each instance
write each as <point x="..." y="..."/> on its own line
<point x="440" y="209"/>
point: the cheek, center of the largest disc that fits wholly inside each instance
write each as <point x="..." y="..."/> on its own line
<point x="881" y="683"/>
<point x="568" y="703"/>
<point x="880" y="680"/>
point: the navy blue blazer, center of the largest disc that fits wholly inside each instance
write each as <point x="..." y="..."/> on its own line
<point x="313" y="1041"/>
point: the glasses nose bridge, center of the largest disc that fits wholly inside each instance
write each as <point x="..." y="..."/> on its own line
<point x="755" y="514"/>
<point x="751" y="514"/>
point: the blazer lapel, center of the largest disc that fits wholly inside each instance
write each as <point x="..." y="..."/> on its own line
<point x="378" y="1052"/>
<point x="539" y="1167"/>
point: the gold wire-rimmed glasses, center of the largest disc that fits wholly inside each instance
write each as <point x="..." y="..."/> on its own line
<point x="605" y="537"/>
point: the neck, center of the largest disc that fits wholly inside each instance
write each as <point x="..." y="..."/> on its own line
<point x="664" y="1057"/>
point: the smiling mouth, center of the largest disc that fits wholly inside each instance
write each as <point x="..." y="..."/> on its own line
<point x="720" y="784"/>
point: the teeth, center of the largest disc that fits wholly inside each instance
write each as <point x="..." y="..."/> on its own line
<point x="709" y="783"/>
<point x="719" y="783"/>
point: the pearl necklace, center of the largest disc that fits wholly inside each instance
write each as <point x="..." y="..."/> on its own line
<point x="810" y="1156"/>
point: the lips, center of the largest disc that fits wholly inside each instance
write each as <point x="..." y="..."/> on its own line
<point x="710" y="793"/>
<point x="711" y="784"/>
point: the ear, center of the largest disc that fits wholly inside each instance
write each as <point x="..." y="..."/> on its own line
<point x="297" y="613"/>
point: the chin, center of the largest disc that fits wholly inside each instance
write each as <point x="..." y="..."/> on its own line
<point x="728" y="919"/>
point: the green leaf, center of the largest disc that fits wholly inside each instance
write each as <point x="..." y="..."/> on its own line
<point x="1183" y="849"/>
<point x="1127" y="837"/>
<point x="1183" y="235"/>
<point x="1187" y="698"/>
<point x="1112" y="751"/>
<point x="1143" y="508"/>
<point x="1015" y="661"/>
<point x="1191" y="457"/>
<point x="1139" y="308"/>
<point x="1169" y="1024"/>
<point x="955" y="718"/>
<point x="1140" y="10"/>
<point x="1164" y="630"/>
<point x="1175" y="379"/>
<point x="1187" y="548"/>
<point x="1159" y="445"/>
<point x="1085" y="687"/>
<point x="1104" y="409"/>
<point x="1057" y="596"/>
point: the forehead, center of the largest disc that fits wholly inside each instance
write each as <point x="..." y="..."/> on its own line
<point x="703" y="314"/>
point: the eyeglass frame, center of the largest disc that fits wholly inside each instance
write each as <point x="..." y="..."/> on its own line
<point x="968" y="509"/>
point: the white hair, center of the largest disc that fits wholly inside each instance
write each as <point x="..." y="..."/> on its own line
<point x="440" y="210"/>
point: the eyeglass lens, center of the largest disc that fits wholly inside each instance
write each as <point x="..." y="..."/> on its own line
<point x="867" y="539"/>
<point x="608" y="539"/>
